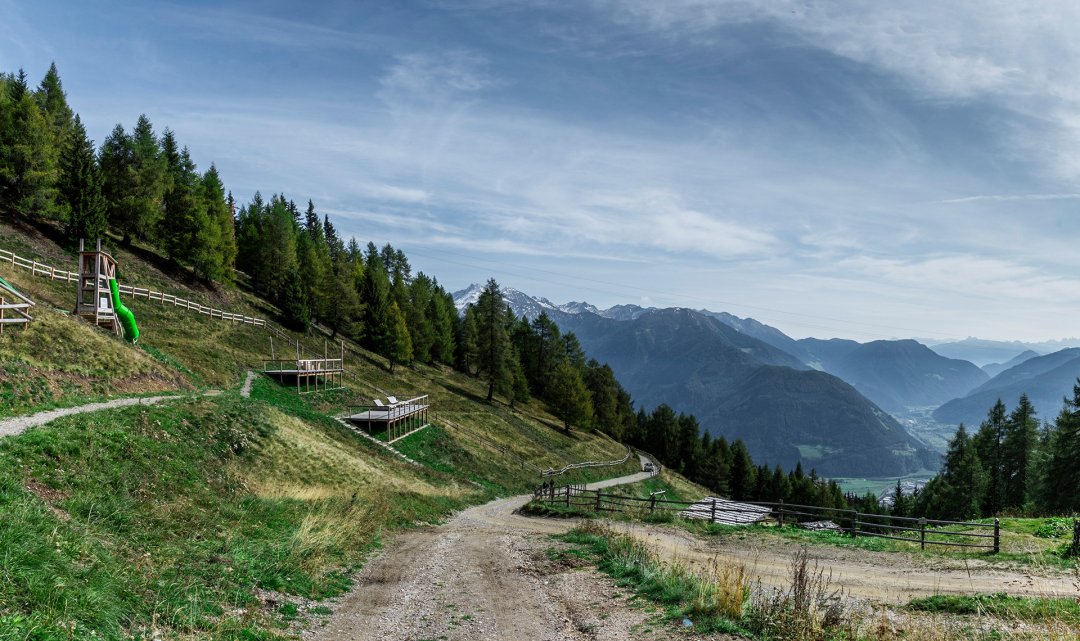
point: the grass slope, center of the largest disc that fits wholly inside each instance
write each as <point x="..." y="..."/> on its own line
<point x="192" y="519"/>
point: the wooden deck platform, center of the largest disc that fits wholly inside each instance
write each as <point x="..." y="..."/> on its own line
<point x="308" y="375"/>
<point x="398" y="420"/>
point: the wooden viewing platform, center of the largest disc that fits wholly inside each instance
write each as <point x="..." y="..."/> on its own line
<point x="397" y="419"/>
<point x="308" y="374"/>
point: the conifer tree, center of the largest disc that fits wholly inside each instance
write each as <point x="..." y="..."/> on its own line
<point x="80" y="187"/>
<point x="1020" y="440"/>
<point x="468" y="343"/>
<point x="570" y="400"/>
<point x="293" y="303"/>
<point x="375" y="298"/>
<point x="52" y="100"/>
<point x="116" y="161"/>
<point x="988" y="444"/>
<point x="959" y="490"/>
<point x="742" y="471"/>
<point x="141" y="215"/>
<point x="400" y="345"/>
<point x="492" y="340"/>
<point x="442" y="316"/>
<point x="1061" y="477"/>
<point x="28" y="163"/>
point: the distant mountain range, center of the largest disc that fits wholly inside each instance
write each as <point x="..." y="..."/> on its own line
<point x="1045" y="379"/>
<point x="737" y="385"/>
<point x="983" y="352"/>
<point x="993" y="369"/>
<point x="897" y="375"/>
<point x="822" y="402"/>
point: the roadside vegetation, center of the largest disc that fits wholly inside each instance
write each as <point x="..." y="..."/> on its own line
<point x="722" y="598"/>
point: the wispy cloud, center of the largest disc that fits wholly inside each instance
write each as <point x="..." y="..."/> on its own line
<point x="429" y="77"/>
<point x="1007" y="198"/>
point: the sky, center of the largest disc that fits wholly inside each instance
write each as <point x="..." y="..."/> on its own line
<point x="859" y="169"/>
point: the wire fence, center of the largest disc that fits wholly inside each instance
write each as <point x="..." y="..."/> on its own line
<point x="921" y="531"/>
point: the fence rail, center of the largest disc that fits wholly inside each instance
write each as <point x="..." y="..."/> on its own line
<point x="41" y="269"/>
<point x="577" y="466"/>
<point x="921" y="531"/>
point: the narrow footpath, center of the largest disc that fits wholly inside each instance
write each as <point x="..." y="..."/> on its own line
<point x="19" y="424"/>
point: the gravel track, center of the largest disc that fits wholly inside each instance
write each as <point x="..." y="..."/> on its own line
<point x="245" y="391"/>
<point x="476" y="578"/>
<point x="19" y="424"/>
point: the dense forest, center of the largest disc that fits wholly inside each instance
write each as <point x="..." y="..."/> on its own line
<point x="1011" y="465"/>
<point x="144" y="187"/>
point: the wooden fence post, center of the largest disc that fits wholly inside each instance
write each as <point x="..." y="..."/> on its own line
<point x="652" y="503"/>
<point x="597" y="500"/>
<point x="567" y="496"/>
<point x="1076" y="538"/>
<point x="712" y="517"/>
<point x="855" y="524"/>
<point x="781" y="512"/>
<point x="997" y="536"/>
<point x="922" y="533"/>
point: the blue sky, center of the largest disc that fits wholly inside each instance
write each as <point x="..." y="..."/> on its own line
<point x="854" y="169"/>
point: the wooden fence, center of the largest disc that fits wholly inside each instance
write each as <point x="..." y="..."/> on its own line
<point x="921" y="531"/>
<point x="48" y="271"/>
<point x="578" y="466"/>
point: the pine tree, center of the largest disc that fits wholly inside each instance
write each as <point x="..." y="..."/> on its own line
<point x="468" y="344"/>
<point x="219" y="229"/>
<point x="141" y="215"/>
<point x="419" y="294"/>
<point x="1020" y="440"/>
<point x="492" y="340"/>
<point x="570" y="400"/>
<point x="116" y="161"/>
<point x="80" y="187"/>
<point x="1061" y="476"/>
<point x="442" y="315"/>
<point x="742" y="471"/>
<point x="28" y="162"/>
<point x="988" y="442"/>
<point x="400" y="345"/>
<point x="184" y="229"/>
<point x="375" y="298"/>
<point x="959" y="490"/>
<point x="293" y="303"/>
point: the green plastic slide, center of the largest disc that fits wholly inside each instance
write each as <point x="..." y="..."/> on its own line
<point x="123" y="314"/>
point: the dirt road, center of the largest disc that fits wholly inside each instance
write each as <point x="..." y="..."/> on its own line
<point x="484" y="576"/>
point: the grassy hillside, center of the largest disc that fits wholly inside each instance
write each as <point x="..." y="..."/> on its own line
<point x="212" y="515"/>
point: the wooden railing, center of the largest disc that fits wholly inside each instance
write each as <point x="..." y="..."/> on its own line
<point x="48" y="271"/>
<point x="920" y="531"/>
<point x="578" y="466"/>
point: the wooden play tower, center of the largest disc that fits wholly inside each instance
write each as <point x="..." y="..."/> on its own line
<point x="94" y="302"/>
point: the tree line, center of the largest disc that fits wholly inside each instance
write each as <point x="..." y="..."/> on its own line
<point x="144" y="186"/>
<point x="140" y="185"/>
<point x="1012" y="464"/>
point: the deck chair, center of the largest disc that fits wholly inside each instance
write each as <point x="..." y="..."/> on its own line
<point x="393" y="400"/>
<point x="380" y="404"/>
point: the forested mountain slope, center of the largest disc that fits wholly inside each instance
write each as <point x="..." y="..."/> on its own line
<point x="738" y="386"/>
<point x="1045" y="379"/>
